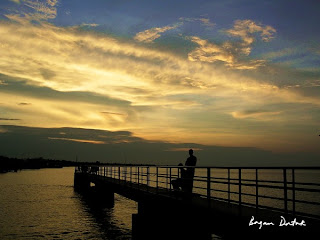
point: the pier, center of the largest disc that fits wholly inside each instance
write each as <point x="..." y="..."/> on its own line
<point x="230" y="202"/>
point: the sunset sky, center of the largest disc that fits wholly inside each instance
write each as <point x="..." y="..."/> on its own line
<point x="217" y="73"/>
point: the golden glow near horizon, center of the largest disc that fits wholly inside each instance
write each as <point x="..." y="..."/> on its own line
<point x="102" y="82"/>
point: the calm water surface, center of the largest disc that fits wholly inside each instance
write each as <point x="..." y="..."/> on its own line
<point x="41" y="204"/>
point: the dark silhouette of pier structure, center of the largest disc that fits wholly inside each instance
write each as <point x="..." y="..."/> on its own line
<point x="224" y="200"/>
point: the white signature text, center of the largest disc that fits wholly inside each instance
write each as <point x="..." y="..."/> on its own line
<point x="283" y="223"/>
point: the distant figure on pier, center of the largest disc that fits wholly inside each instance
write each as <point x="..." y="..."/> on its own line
<point x="177" y="184"/>
<point x="185" y="182"/>
<point x="84" y="168"/>
<point x="94" y="169"/>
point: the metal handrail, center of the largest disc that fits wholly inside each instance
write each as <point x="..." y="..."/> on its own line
<point x="160" y="177"/>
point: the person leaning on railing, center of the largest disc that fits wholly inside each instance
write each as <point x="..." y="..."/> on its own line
<point x="177" y="184"/>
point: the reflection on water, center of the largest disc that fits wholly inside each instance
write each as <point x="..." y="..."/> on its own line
<point x="41" y="204"/>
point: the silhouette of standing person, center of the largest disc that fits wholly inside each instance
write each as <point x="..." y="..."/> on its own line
<point x="189" y="174"/>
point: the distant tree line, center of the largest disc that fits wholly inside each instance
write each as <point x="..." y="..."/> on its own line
<point x="14" y="164"/>
<point x="8" y="164"/>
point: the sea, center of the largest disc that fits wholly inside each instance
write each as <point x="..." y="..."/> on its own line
<point x="42" y="204"/>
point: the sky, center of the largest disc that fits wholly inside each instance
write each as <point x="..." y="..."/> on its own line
<point x="231" y="74"/>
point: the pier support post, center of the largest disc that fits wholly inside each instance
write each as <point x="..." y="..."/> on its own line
<point x="103" y="195"/>
<point x="81" y="182"/>
<point x="99" y="194"/>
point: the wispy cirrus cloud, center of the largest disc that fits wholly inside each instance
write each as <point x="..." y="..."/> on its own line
<point x="246" y="30"/>
<point x="205" y="21"/>
<point x="112" y="113"/>
<point x="78" y="140"/>
<point x="150" y="35"/>
<point x="52" y="2"/>
<point x="296" y="57"/>
<point x="281" y="53"/>
<point x="210" y="52"/>
<point x="233" y="53"/>
<point x="255" y="114"/>
<point x="38" y="9"/>
<point x="15" y="1"/>
<point x="90" y="24"/>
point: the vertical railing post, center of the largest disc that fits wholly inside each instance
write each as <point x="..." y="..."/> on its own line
<point x="119" y="173"/>
<point x="209" y="185"/>
<point x="166" y="178"/>
<point x="141" y="175"/>
<point x="157" y="181"/>
<point x="257" y="191"/>
<point x="239" y="186"/>
<point x="138" y="176"/>
<point x="293" y="193"/>
<point x="104" y="171"/>
<point x="148" y="177"/>
<point x="170" y="177"/>
<point x="228" y="185"/>
<point x="130" y="174"/>
<point x="285" y="190"/>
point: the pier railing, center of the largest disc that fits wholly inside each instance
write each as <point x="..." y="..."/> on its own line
<point x="291" y="190"/>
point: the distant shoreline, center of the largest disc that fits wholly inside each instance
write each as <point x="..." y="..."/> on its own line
<point x="8" y="164"/>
